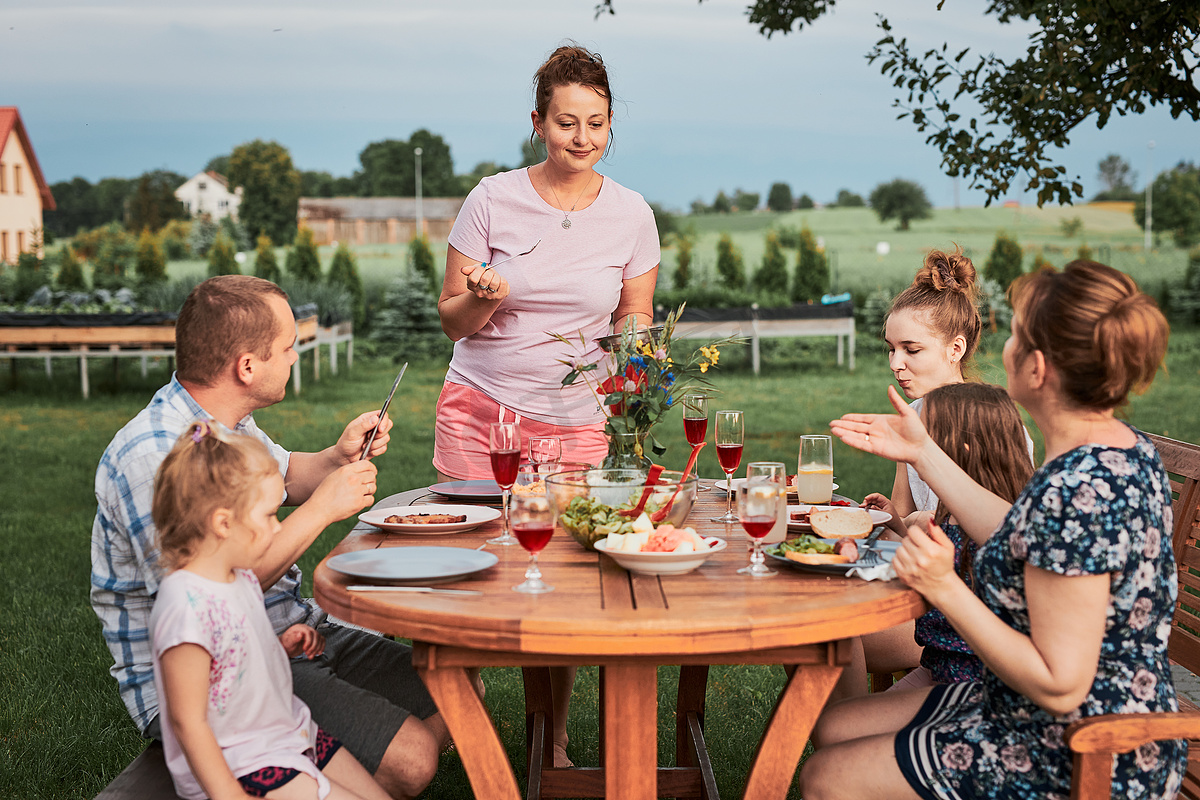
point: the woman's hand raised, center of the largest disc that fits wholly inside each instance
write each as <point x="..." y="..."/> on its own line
<point x="925" y="561"/>
<point x="485" y="282"/>
<point x="898" y="437"/>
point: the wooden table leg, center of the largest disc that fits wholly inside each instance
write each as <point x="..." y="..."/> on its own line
<point x="475" y="736"/>
<point x="631" y="726"/>
<point x="788" y="730"/>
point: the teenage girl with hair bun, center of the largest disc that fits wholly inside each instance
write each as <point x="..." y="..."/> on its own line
<point x="232" y="727"/>
<point x="1075" y="582"/>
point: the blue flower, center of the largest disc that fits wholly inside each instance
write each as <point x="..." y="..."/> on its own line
<point x="668" y="399"/>
<point x="638" y="362"/>
<point x="668" y="379"/>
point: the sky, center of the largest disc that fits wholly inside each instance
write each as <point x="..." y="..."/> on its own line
<point x="113" y="88"/>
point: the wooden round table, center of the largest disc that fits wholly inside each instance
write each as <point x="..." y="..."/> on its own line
<point x="629" y="624"/>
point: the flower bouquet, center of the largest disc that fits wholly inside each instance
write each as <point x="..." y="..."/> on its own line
<point x="647" y="376"/>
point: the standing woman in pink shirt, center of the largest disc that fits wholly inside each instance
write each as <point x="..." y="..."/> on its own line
<point x="594" y="266"/>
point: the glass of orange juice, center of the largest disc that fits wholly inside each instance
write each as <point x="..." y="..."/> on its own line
<point x="814" y="473"/>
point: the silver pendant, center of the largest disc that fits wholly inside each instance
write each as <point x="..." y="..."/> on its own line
<point x="566" y="223"/>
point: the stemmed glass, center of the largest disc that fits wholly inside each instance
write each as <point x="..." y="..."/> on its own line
<point x="545" y="449"/>
<point x="758" y="511"/>
<point x="533" y="521"/>
<point x="730" y="437"/>
<point x="504" y="447"/>
<point x="695" y="426"/>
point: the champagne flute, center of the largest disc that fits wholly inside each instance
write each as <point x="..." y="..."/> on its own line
<point x="504" y="447"/>
<point x="545" y="449"/>
<point x="533" y="522"/>
<point x="695" y="426"/>
<point x="730" y="437"/>
<point x="758" y="511"/>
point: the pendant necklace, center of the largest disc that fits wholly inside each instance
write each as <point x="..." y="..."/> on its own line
<point x="566" y="220"/>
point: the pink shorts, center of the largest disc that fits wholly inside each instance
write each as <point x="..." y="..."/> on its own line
<point x="464" y="419"/>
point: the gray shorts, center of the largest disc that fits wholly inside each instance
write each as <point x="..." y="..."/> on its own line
<point x="361" y="689"/>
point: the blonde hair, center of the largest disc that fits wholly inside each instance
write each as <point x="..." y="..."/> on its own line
<point x="978" y="425"/>
<point x="1104" y="336"/>
<point x="946" y="289"/>
<point x="207" y="469"/>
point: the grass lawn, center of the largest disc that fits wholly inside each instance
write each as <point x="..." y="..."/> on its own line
<point x="63" y="730"/>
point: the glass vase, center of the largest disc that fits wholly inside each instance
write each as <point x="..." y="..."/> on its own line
<point x="626" y="451"/>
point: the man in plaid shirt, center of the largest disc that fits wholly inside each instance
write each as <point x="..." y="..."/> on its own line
<point x="234" y="350"/>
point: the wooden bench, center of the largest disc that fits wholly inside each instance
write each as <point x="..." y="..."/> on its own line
<point x="146" y="778"/>
<point x="1096" y="740"/>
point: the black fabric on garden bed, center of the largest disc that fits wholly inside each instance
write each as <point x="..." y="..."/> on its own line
<point x="20" y="320"/>
<point x="798" y="311"/>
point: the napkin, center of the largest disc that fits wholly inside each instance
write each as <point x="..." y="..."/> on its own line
<point x="882" y="572"/>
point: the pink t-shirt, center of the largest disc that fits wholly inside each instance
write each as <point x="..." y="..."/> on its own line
<point x="570" y="284"/>
<point x="253" y="714"/>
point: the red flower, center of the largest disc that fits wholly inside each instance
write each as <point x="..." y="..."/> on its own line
<point x="616" y="383"/>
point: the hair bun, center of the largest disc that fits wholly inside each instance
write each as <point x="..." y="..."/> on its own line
<point x="949" y="272"/>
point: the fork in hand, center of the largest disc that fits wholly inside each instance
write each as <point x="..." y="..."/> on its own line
<point x="872" y="558"/>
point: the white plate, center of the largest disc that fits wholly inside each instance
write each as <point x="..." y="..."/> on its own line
<point x="887" y="551"/>
<point x="723" y="485"/>
<point x="663" y="563"/>
<point x="877" y="517"/>
<point x="475" y="516"/>
<point x="412" y="565"/>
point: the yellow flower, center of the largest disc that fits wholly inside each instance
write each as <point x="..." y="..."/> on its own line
<point x="703" y="366"/>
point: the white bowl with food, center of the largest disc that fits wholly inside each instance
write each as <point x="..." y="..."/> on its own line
<point x="690" y="550"/>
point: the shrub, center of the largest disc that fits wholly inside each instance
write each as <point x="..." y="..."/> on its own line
<point x="175" y="237"/>
<point x="409" y="323"/>
<point x="1085" y="253"/>
<point x="721" y="203"/>
<point x="805" y="202"/>
<point x="683" y="261"/>
<point x="70" y="271"/>
<point x="745" y="201"/>
<point x="779" y="198"/>
<point x="168" y="296"/>
<point x="1185" y="301"/>
<point x="343" y="272"/>
<point x="848" y="199"/>
<point x="1004" y="263"/>
<point x="265" y="264"/>
<point x="994" y="307"/>
<point x="1039" y="261"/>
<point x="789" y="236"/>
<point x="772" y="274"/>
<point x="150" y="264"/>
<point x="236" y="233"/>
<point x="31" y="276"/>
<point x="1071" y="227"/>
<point x="303" y="263"/>
<point x="204" y="233"/>
<point x="707" y="296"/>
<point x="112" y="260"/>
<point x="420" y="260"/>
<point x="812" y="270"/>
<point x="333" y="303"/>
<point x="222" y="257"/>
<point x="729" y="263"/>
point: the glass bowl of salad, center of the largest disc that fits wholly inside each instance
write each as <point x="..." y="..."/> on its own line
<point x="586" y="502"/>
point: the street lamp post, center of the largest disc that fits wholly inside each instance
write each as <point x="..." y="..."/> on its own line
<point x="1150" y="199"/>
<point x="420" y="212"/>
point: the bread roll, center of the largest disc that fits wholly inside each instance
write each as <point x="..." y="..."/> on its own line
<point x="840" y="523"/>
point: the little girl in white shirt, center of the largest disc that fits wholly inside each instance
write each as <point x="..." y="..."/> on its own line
<point x="233" y="727"/>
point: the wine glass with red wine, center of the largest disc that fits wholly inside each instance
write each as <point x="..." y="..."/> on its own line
<point x="758" y="511"/>
<point x="730" y="436"/>
<point x="533" y="522"/>
<point x="695" y="426"/>
<point x="504" y="447"/>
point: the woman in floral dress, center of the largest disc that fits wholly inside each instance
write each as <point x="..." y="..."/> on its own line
<point x="1074" y="592"/>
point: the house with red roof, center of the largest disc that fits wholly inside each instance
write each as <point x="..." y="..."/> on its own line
<point x="207" y="194"/>
<point x="24" y="193"/>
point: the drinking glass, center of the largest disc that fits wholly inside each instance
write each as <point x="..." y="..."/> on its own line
<point x="504" y="447"/>
<point x="776" y="473"/>
<point x="695" y="426"/>
<point x="814" y="473"/>
<point x="730" y="437"/>
<point x="545" y="449"/>
<point x="758" y="511"/>
<point x="533" y="522"/>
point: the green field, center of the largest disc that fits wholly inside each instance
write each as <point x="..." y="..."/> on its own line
<point x="63" y="730"/>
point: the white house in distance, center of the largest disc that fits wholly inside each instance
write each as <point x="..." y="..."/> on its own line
<point x="24" y="193"/>
<point x="207" y="194"/>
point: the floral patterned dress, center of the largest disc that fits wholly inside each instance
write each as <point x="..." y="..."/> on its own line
<point x="1091" y="511"/>
<point x="943" y="652"/>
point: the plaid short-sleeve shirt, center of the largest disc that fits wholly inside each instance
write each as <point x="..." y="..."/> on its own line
<point x="125" y="571"/>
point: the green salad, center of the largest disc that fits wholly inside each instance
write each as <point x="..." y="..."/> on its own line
<point x="806" y="543"/>
<point x="590" y="520"/>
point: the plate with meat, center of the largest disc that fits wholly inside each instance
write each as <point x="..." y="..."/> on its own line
<point x="826" y="556"/>
<point x="430" y="520"/>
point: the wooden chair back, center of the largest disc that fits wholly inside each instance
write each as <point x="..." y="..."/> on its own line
<point x="1097" y="739"/>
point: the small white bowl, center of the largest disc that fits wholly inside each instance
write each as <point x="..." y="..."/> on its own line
<point x="663" y="563"/>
